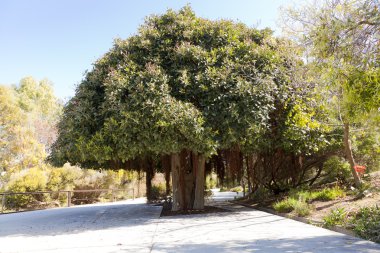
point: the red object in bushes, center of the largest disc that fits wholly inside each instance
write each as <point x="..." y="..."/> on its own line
<point x="360" y="169"/>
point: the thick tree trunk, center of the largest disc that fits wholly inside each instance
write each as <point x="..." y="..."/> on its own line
<point x="149" y="177"/>
<point x="167" y="182"/>
<point x="188" y="170"/>
<point x="349" y="156"/>
<point x="138" y="184"/>
<point x="175" y="165"/>
<point x="199" y="199"/>
<point x="165" y="162"/>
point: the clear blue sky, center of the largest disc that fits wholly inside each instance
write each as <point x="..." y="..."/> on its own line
<point x="59" y="40"/>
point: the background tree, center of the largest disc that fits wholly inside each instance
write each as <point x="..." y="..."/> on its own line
<point x="42" y="108"/>
<point x="18" y="147"/>
<point x="341" y="39"/>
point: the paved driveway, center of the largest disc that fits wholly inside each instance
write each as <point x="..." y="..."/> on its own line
<point x="132" y="226"/>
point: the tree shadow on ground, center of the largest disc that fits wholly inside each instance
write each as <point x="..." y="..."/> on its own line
<point x="323" y="244"/>
<point x="78" y="219"/>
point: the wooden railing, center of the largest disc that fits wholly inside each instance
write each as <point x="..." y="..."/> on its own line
<point x="115" y="195"/>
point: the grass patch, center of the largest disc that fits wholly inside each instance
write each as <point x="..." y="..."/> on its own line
<point x="285" y="206"/>
<point x="336" y="217"/>
<point x="321" y="195"/>
<point x="328" y="194"/>
<point x="298" y="200"/>
<point x="366" y="223"/>
<point x="299" y="207"/>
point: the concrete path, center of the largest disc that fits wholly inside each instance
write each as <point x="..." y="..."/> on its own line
<point x="127" y="226"/>
<point x="132" y="226"/>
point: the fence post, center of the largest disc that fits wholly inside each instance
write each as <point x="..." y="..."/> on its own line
<point x="3" y="203"/>
<point x="68" y="198"/>
<point x="133" y="193"/>
<point x="113" y="195"/>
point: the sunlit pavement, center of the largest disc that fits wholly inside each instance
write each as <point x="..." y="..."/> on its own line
<point x="132" y="226"/>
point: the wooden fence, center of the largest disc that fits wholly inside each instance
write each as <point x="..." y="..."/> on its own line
<point x="114" y="195"/>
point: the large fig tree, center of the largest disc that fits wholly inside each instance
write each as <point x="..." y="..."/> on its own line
<point x="183" y="89"/>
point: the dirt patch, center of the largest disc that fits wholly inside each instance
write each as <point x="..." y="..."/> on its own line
<point x="350" y="203"/>
<point x="167" y="210"/>
<point x="320" y="209"/>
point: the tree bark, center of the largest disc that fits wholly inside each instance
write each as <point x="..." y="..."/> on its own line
<point x="149" y="177"/>
<point x="199" y="182"/>
<point x="175" y="165"/>
<point x="188" y="170"/>
<point x="138" y="184"/>
<point x="165" y="161"/>
<point x="349" y="156"/>
<point x="167" y="182"/>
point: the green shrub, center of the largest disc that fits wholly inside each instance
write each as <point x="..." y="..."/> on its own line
<point x="30" y="180"/>
<point x="63" y="178"/>
<point x="322" y="195"/>
<point x="301" y="195"/>
<point x="336" y="168"/>
<point x="300" y="208"/>
<point x="260" y="194"/>
<point x="210" y="182"/>
<point x="328" y="194"/>
<point x="223" y="189"/>
<point x="285" y="206"/>
<point x="237" y="189"/>
<point x="336" y="217"/>
<point x="158" y="191"/>
<point x="92" y="180"/>
<point x="366" y="223"/>
<point x="47" y="178"/>
<point x="367" y="148"/>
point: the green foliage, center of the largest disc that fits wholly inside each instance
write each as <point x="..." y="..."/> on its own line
<point x="336" y="169"/>
<point x="236" y="189"/>
<point x="63" y="178"/>
<point x="184" y="82"/>
<point x="260" y="194"/>
<point x="28" y="114"/>
<point x="298" y="200"/>
<point x="328" y="194"/>
<point x="363" y="190"/>
<point x="332" y="35"/>
<point x="325" y="194"/>
<point x="336" y="217"/>
<point x="285" y="206"/>
<point x="158" y="192"/>
<point x="302" y="209"/>
<point x="34" y="179"/>
<point x="224" y="189"/>
<point x="31" y="180"/>
<point x="210" y="182"/>
<point x="299" y="207"/>
<point x="19" y="148"/>
<point x="47" y="178"/>
<point x="367" y="147"/>
<point x="366" y="223"/>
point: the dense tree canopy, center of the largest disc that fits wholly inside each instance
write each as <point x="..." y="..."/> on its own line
<point x="216" y="88"/>
<point x="182" y="82"/>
